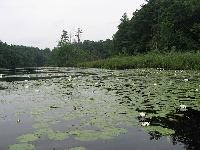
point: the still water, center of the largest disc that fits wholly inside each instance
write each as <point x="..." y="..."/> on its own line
<point x="98" y="109"/>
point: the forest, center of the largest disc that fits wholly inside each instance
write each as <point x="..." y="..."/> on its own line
<point x="160" y="27"/>
<point x="13" y="56"/>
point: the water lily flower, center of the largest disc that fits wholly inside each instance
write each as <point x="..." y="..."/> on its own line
<point x="145" y="124"/>
<point x="185" y="80"/>
<point x="70" y="78"/>
<point x="154" y="84"/>
<point x="183" y="106"/>
<point x="18" y="121"/>
<point x="1" y="75"/>
<point x="142" y="114"/>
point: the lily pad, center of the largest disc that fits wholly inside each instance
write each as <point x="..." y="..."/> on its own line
<point x="23" y="146"/>
<point x="164" y="131"/>
<point x="57" y="135"/>
<point x="86" y="135"/>
<point x="78" y="148"/>
<point x="27" y="138"/>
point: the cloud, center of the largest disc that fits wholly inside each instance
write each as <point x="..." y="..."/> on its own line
<point x="40" y="22"/>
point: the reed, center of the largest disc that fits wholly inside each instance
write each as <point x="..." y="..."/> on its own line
<point x="170" y="60"/>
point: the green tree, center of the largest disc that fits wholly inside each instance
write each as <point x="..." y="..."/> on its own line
<point x="64" y="39"/>
<point x="121" y="39"/>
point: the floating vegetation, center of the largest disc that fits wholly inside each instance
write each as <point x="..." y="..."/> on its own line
<point x="23" y="146"/>
<point x="57" y="135"/>
<point x="27" y="138"/>
<point x="36" y="111"/>
<point x="93" y="104"/>
<point x="19" y="112"/>
<point x="40" y="125"/>
<point x="44" y="122"/>
<point x="77" y="148"/>
<point x="164" y="131"/>
<point x="45" y="131"/>
<point x="86" y="135"/>
<point x="90" y="135"/>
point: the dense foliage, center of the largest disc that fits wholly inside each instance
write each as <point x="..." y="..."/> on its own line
<point x="161" y="25"/>
<point x="12" y="56"/>
<point x="168" y="60"/>
<point x="70" y="54"/>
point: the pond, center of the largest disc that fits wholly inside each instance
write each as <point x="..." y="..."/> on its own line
<point x="93" y="109"/>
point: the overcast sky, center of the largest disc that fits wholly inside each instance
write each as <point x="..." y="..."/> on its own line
<point x="39" y="23"/>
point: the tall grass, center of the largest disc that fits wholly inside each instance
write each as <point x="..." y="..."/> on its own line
<point x="171" y="60"/>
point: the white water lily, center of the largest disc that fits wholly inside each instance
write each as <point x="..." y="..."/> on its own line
<point x="37" y="90"/>
<point x="1" y="75"/>
<point x="18" y="120"/>
<point x="183" y="106"/>
<point x="154" y="84"/>
<point x="185" y="80"/>
<point x="145" y="124"/>
<point x="142" y="114"/>
<point x="70" y="78"/>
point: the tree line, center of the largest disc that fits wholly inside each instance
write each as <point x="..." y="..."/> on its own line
<point x="68" y="53"/>
<point x="160" y="26"/>
<point x="12" y="56"/>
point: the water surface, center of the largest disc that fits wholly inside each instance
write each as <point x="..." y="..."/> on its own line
<point x="64" y="108"/>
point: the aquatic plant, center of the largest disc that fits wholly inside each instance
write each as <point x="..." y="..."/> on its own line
<point x="23" y="146"/>
<point x="142" y="114"/>
<point x="144" y="124"/>
<point x="102" y="104"/>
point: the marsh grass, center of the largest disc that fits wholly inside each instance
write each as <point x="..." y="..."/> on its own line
<point x="170" y="60"/>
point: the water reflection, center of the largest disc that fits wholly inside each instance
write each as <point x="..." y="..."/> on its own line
<point x="22" y="74"/>
<point x="187" y="127"/>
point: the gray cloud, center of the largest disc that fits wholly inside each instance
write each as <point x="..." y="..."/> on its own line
<point x="40" y="23"/>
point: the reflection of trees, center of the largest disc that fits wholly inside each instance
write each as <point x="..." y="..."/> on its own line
<point x="187" y="128"/>
<point x="155" y="135"/>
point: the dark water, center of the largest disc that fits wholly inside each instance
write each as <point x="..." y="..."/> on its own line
<point x="96" y="99"/>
